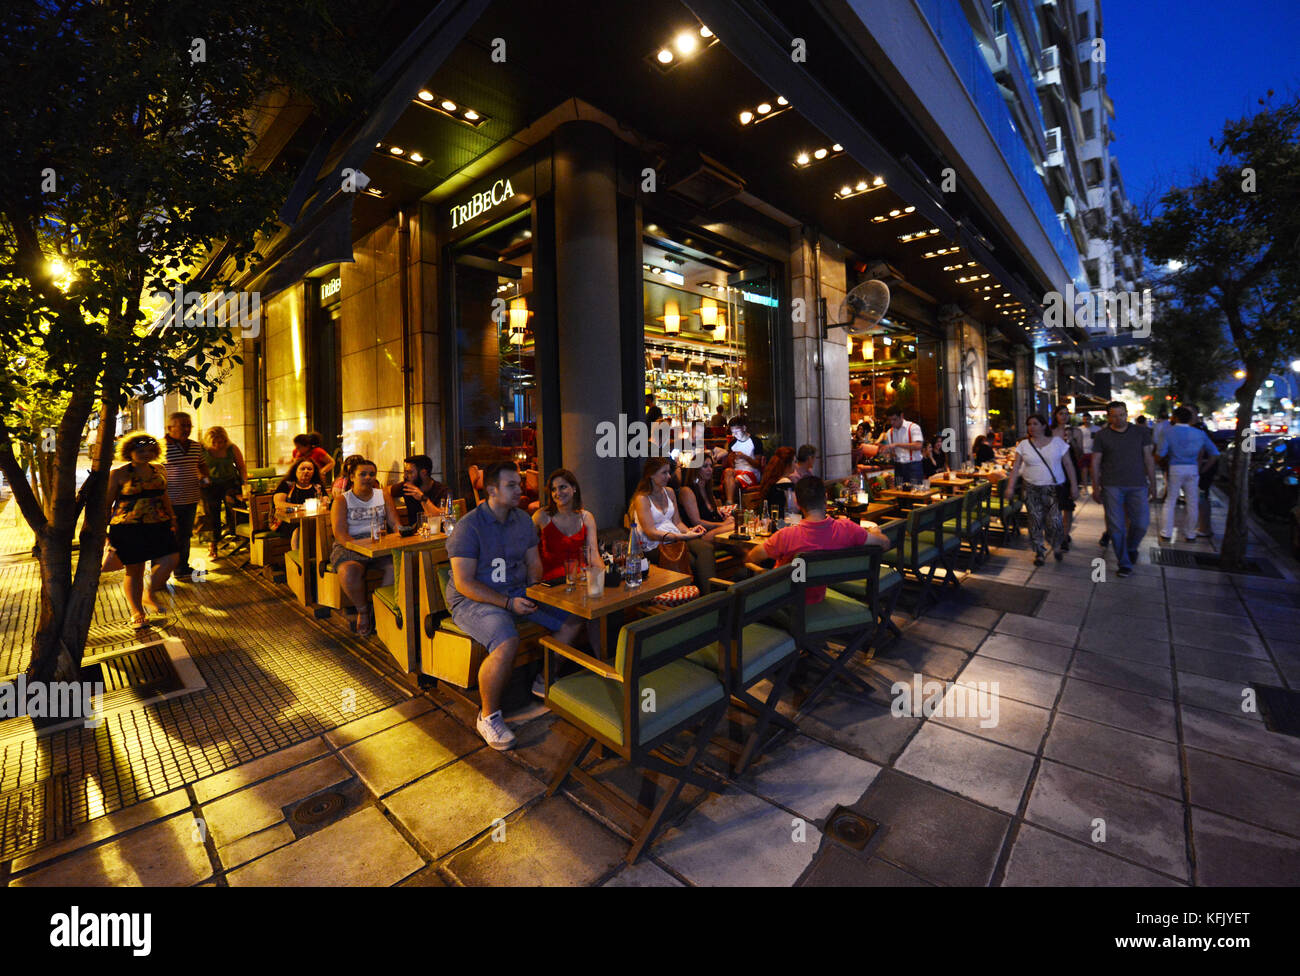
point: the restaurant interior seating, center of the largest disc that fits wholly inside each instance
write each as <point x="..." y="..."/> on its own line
<point x="606" y="704"/>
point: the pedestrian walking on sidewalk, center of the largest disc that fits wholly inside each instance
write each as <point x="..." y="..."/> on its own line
<point x="1189" y="452"/>
<point x="187" y="476"/>
<point x="1124" y="481"/>
<point x="1044" y="462"/>
<point x="1073" y="438"/>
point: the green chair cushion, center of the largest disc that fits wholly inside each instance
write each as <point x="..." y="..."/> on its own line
<point x="836" y="613"/>
<point x="388" y="596"/>
<point x="927" y="553"/>
<point x="762" y="646"/>
<point x="296" y="556"/>
<point x="889" y="578"/>
<point x="246" y="530"/>
<point x="682" y="689"/>
<point x="950" y="542"/>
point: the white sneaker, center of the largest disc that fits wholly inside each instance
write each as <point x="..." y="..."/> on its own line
<point x="539" y="685"/>
<point x="495" y="732"/>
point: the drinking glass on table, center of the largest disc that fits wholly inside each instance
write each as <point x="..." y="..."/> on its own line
<point x="570" y="574"/>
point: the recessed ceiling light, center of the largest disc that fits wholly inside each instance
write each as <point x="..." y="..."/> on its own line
<point x="845" y="191"/>
<point x="426" y="95"/>
<point x="862" y="185"/>
<point x="764" y="108"/>
<point x="837" y="148"/>
<point x="878" y="181"/>
<point x="820" y="154"/>
<point x="705" y="32"/>
<point x="802" y="159"/>
<point x="416" y="157"/>
<point x="395" y="150"/>
<point x="449" y="105"/>
<point x="781" y="100"/>
<point x="746" y="118"/>
<point x="686" y="43"/>
<point x="894" y="213"/>
<point x="909" y="209"/>
<point x="664" y="56"/>
<point x="471" y="114"/>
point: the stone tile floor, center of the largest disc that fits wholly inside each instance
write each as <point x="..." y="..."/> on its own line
<point x="1121" y="755"/>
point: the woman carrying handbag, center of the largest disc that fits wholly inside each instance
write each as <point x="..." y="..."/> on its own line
<point x="1044" y="462"/>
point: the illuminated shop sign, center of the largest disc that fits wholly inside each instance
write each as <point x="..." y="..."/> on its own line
<point x="756" y="299"/>
<point x="481" y="203"/>
<point x="330" y="288"/>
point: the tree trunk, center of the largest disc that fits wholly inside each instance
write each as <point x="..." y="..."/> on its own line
<point x="68" y="603"/>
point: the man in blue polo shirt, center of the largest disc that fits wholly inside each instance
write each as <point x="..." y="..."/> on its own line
<point x="1189" y="451"/>
<point x="493" y="553"/>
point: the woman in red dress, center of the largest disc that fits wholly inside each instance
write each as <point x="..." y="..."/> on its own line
<point x="568" y="531"/>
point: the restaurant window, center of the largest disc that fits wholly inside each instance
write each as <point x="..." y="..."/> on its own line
<point x="1002" y="403"/>
<point x="883" y="374"/>
<point x="709" y="316"/>
<point x="495" y="372"/>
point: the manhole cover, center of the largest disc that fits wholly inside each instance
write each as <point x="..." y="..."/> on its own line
<point x="1187" y="559"/>
<point x="850" y="828"/>
<point x="319" y="809"/>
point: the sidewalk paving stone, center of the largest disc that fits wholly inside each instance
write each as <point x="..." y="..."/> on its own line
<point x="257" y="807"/>
<point x="1255" y="794"/>
<point x="973" y="616"/>
<point x="1141" y="826"/>
<point x="397" y="755"/>
<point x="460" y="801"/>
<point x="1125" y="646"/>
<point x="1241" y="641"/>
<point x="1214" y="694"/>
<point x="946" y="632"/>
<point x="739" y="839"/>
<point x="109" y="825"/>
<point x="839" y="868"/>
<point x="936" y="661"/>
<point x="859" y="725"/>
<point x="1034" y="628"/>
<point x="933" y="834"/>
<point x="1043" y="859"/>
<point x="810" y="777"/>
<point x="1144" y="679"/>
<point x="1122" y="709"/>
<point x="378" y="721"/>
<point x="1024" y="684"/>
<point x="552" y="843"/>
<point x="1126" y="756"/>
<point x="643" y="874"/>
<point x="1286" y="614"/>
<point x="1017" y="725"/>
<point x="248" y="773"/>
<point x="1029" y="653"/>
<point x="255" y="845"/>
<point x="1225" y="667"/>
<point x="1062" y="612"/>
<point x="1241" y="738"/>
<point x="1287" y="655"/>
<point x="982" y="770"/>
<point x="1127" y="626"/>
<point x="363" y="849"/>
<point x="1229" y="852"/>
<point x="164" y="854"/>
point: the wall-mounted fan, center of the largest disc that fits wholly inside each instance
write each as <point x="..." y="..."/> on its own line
<point x="863" y="307"/>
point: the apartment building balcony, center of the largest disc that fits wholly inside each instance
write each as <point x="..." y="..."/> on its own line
<point x="1091" y="148"/>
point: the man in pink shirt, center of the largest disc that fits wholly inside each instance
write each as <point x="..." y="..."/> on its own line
<point x="815" y="533"/>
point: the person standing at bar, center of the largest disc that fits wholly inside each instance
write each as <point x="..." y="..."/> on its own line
<point x="1122" y="460"/>
<point x="902" y="438"/>
<point x="186" y="475"/>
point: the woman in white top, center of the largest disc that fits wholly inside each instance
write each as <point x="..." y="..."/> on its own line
<point x="1044" y="462"/>
<point x="361" y="507"/>
<point x="655" y="513"/>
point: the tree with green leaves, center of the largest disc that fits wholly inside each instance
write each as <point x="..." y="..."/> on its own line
<point x="1234" y="236"/>
<point x="1187" y="356"/>
<point x="129" y="127"/>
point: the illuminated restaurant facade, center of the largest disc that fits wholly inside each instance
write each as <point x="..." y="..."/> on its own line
<point x="538" y="241"/>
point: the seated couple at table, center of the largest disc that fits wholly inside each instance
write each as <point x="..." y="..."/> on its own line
<point x="679" y="539"/>
<point x="418" y="491"/>
<point x="495" y="554"/>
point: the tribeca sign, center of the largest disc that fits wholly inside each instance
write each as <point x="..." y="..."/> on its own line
<point x="479" y="203"/>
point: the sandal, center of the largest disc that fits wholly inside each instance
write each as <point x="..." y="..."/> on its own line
<point x="139" y="621"/>
<point x="365" y="623"/>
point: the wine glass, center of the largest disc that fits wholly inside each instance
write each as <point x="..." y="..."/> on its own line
<point x="570" y="574"/>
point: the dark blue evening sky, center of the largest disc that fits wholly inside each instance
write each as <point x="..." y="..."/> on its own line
<point x="1177" y="70"/>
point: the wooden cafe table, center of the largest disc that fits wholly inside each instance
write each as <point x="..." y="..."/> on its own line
<point x="953" y="482"/>
<point x="608" y="608"/>
<point x="405" y="548"/>
<point x="306" y="523"/>
<point x="910" y="499"/>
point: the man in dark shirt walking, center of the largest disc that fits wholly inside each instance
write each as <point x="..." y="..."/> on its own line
<point x="1124" y="481"/>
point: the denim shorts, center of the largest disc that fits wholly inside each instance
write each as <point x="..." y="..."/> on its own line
<point x="492" y="626"/>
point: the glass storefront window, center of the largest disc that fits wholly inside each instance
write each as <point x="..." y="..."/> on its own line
<point x="882" y="374"/>
<point x="709" y="315"/>
<point x="495" y="374"/>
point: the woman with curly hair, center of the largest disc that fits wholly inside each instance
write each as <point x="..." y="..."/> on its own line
<point x="141" y="524"/>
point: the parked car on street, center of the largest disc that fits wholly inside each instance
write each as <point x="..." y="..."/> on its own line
<point x="1275" y="482"/>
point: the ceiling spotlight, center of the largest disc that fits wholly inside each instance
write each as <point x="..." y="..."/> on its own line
<point x="802" y="159"/>
<point x="416" y="157"/>
<point x="664" y="56"/>
<point x="781" y="100"/>
<point x="471" y="114"/>
<point x="878" y="181"/>
<point x="426" y="95"/>
<point x="845" y="191"/>
<point x="820" y="154"/>
<point x="395" y="150"/>
<point x="746" y="118"/>
<point x="862" y="185"/>
<point x="705" y="32"/>
<point x="764" y="108"/>
<point x="449" y="105"/>
<point x="837" y="148"/>
<point x="686" y="43"/>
